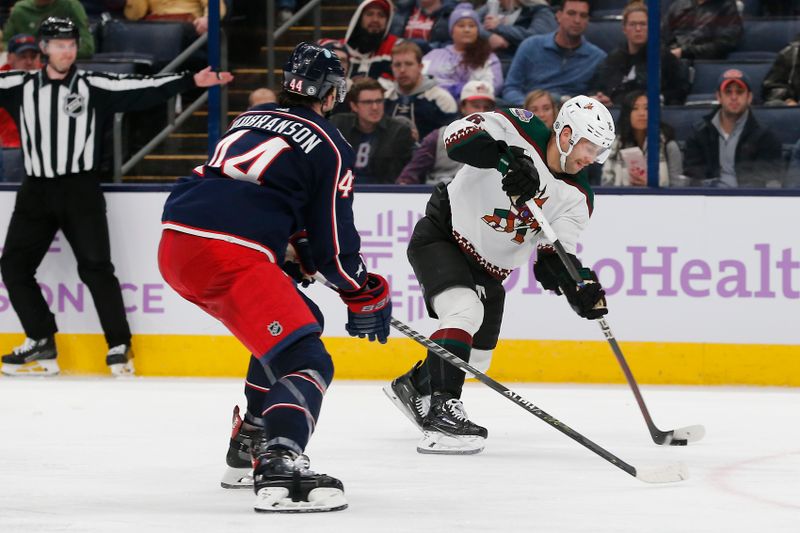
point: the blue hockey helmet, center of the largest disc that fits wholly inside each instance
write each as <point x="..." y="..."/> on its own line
<point x="313" y="71"/>
<point x="58" y="28"/>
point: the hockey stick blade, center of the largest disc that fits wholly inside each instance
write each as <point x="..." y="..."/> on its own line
<point x="666" y="474"/>
<point x="682" y="436"/>
<point x="678" y="437"/>
<point x="663" y="474"/>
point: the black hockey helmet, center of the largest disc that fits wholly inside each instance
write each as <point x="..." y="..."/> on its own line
<point x="312" y="70"/>
<point x="58" y="28"/>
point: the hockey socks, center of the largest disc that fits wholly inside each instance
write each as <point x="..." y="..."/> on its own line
<point x="256" y="387"/>
<point x="299" y="377"/>
<point x="444" y="377"/>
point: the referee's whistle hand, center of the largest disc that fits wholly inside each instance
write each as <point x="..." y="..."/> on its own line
<point x="209" y="78"/>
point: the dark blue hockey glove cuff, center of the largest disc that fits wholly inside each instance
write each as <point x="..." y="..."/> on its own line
<point x="369" y="309"/>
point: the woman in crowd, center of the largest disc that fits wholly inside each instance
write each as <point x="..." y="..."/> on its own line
<point x="469" y="57"/>
<point x="627" y="163"/>
<point x="542" y="104"/>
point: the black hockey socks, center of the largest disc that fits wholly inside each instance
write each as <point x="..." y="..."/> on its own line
<point x="256" y="387"/>
<point x="298" y="377"/>
<point x="444" y="377"/>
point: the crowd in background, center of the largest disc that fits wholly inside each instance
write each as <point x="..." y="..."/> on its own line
<point x="416" y="65"/>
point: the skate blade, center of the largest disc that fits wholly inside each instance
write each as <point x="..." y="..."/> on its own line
<point x="40" y="367"/>
<point x="122" y="370"/>
<point x="237" y="478"/>
<point x="400" y="405"/>
<point x="434" y="442"/>
<point x="320" y="500"/>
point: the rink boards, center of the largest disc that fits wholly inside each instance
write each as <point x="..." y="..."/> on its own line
<point x="702" y="290"/>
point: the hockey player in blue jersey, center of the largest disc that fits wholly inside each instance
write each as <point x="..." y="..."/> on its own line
<point x="278" y="187"/>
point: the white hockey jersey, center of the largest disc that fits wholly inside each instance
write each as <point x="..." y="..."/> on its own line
<point x="485" y="223"/>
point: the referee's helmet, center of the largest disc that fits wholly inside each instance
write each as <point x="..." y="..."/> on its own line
<point x="58" y="28"/>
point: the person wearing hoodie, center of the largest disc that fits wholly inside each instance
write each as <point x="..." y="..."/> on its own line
<point x="468" y="58"/>
<point x="515" y="21"/>
<point x="415" y="96"/>
<point x="368" y="41"/>
<point x="425" y="23"/>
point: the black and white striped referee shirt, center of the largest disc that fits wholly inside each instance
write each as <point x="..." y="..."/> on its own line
<point x="60" y="121"/>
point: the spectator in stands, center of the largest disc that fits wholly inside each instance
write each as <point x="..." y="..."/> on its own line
<point x="262" y="95"/>
<point x="23" y="54"/>
<point x="382" y="144"/>
<point x="368" y="41"/>
<point x="515" y="21"/>
<point x="729" y="148"/>
<point x="416" y="96"/>
<point x="337" y="47"/>
<point x="782" y="84"/>
<point x="542" y="104"/>
<point x="194" y="11"/>
<point x="426" y="24"/>
<point x="793" y="174"/>
<point x="468" y="58"/>
<point x="562" y="62"/>
<point x="625" y="69"/>
<point x="701" y="29"/>
<point x="26" y="15"/>
<point x="627" y="163"/>
<point x="430" y="163"/>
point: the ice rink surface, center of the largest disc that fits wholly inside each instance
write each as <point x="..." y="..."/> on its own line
<point x="146" y="455"/>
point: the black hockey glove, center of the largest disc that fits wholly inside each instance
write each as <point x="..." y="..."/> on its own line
<point x="369" y="309"/>
<point x="299" y="262"/>
<point x="588" y="301"/>
<point x="521" y="180"/>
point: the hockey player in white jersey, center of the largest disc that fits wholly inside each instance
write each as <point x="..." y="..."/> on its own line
<point x="477" y="230"/>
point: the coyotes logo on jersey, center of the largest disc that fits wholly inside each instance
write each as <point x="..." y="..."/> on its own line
<point x="515" y="221"/>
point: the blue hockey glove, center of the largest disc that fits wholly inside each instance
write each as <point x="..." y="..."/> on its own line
<point x="369" y="309"/>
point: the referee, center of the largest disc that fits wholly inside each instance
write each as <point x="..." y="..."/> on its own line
<point x="60" y="111"/>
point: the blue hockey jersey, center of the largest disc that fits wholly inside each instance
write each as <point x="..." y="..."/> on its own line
<point x="276" y="171"/>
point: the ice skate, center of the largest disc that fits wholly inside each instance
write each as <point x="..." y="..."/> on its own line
<point x="35" y="357"/>
<point x="447" y="429"/>
<point x="407" y="398"/>
<point x="284" y="484"/>
<point x="239" y="460"/>
<point x="120" y="360"/>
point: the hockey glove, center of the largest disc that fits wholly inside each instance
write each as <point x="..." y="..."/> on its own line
<point x="588" y="301"/>
<point x="299" y="259"/>
<point x="521" y="180"/>
<point x="369" y="309"/>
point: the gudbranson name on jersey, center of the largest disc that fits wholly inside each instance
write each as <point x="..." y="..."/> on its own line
<point x="306" y="139"/>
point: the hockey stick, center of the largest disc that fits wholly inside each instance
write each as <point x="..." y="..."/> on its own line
<point x="675" y="437"/>
<point x="665" y="474"/>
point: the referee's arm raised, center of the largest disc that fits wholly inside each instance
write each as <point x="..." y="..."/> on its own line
<point x="121" y="93"/>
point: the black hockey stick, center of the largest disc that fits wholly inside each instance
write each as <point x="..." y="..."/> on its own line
<point x="675" y="437"/>
<point x="664" y="474"/>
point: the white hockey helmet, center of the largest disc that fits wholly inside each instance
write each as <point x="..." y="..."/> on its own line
<point x="588" y="119"/>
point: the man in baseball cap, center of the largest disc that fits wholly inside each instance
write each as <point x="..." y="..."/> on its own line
<point x="23" y="53"/>
<point x="729" y="147"/>
<point x="476" y="97"/>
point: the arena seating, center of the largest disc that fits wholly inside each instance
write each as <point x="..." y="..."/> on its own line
<point x="605" y="33"/>
<point x="158" y="42"/>
<point x="764" y="37"/>
<point x="706" y="75"/>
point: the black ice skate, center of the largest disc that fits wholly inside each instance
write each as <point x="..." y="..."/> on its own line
<point x="284" y="484"/>
<point x="447" y="429"/>
<point x="239" y="459"/>
<point x="407" y="398"/>
<point x="35" y="357"/>
<point x="120" y="360"/>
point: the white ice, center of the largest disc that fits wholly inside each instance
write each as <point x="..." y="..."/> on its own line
<point x="146" y="455"/>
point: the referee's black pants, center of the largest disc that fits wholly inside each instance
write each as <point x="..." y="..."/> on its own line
<point x="74" y="204"/>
